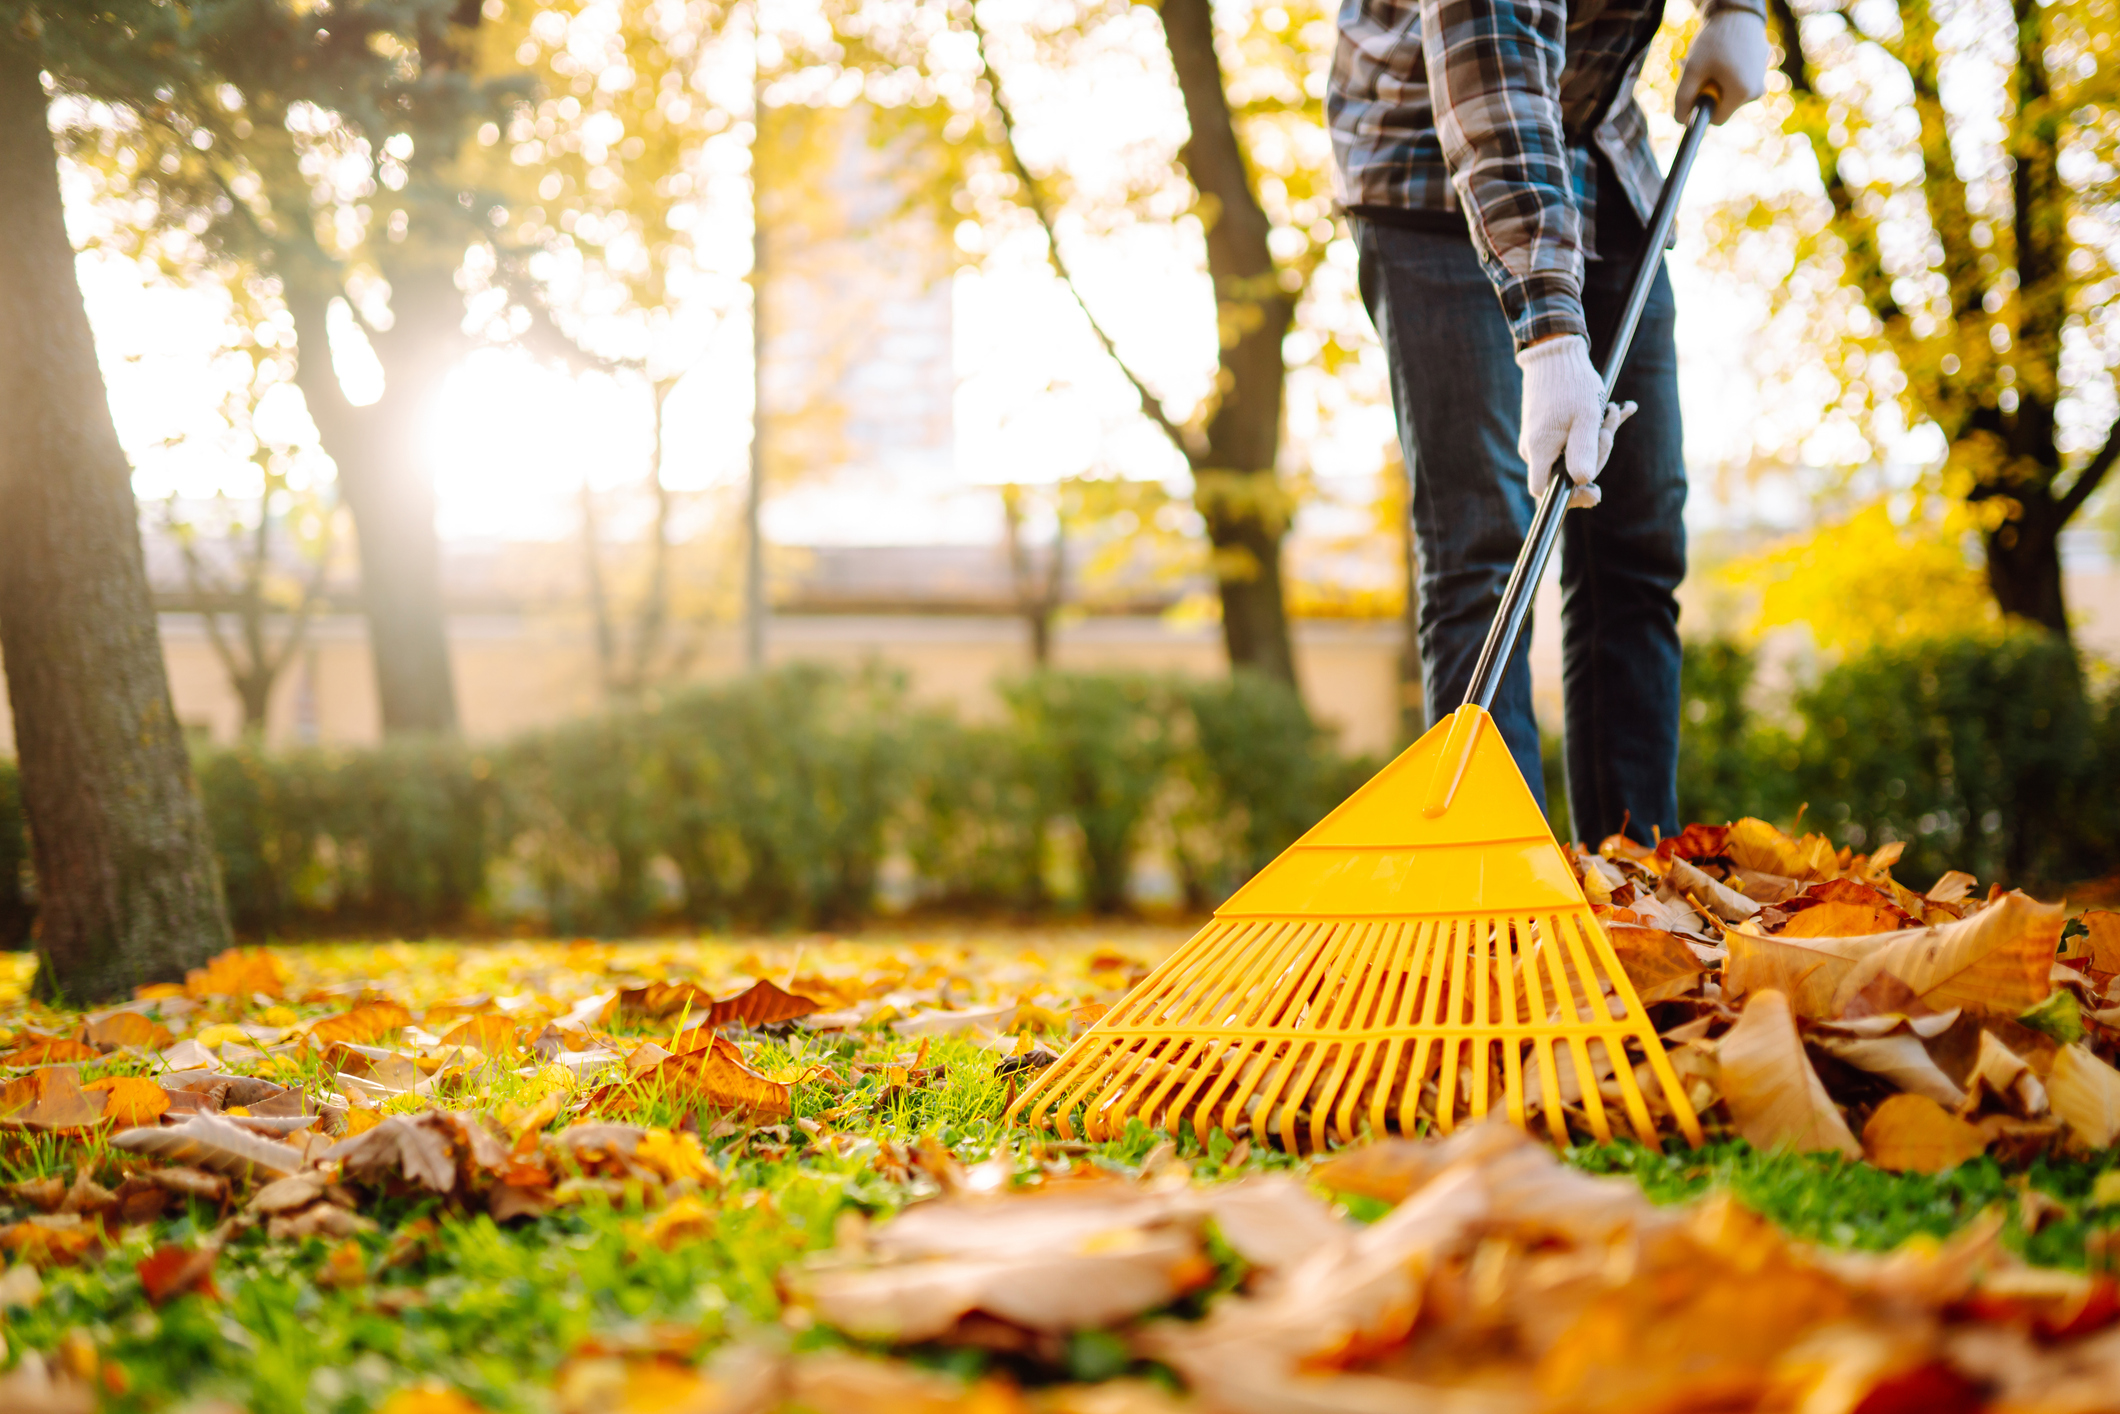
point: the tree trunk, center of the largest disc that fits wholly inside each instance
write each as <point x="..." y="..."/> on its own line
<point x="1236" y="489"/>
<point x="385" y="485"/>
<point x="128" y="891"/>
<point x="2024" y="565"/>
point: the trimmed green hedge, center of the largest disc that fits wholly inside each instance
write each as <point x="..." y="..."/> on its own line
<point x="778" y="801"/>
<point x="806" y="798"/>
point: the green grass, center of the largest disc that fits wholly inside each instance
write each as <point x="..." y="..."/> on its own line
<point x="1828" y="1199"/>
<point x="494" y="1311"/>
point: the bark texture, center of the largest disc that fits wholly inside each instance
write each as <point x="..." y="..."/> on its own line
<point x="1238" y="493"/>
<point x="128" y="891"/>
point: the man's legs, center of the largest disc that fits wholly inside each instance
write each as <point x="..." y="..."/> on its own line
<point x="1456" y="386"/>
<point x="1621" y="564"/>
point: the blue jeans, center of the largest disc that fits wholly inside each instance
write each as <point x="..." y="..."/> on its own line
<point x="1455" y="384"/>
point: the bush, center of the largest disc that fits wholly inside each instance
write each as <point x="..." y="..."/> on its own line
<point x="391" y="837"/>
<point x="1984" y="754"/>
<point x="776" y="800"/>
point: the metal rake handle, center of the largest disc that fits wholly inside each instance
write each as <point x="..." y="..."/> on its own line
<point x="1546" y="524"/>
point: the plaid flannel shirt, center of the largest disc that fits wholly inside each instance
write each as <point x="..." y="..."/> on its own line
<point x="1489" y="107"/>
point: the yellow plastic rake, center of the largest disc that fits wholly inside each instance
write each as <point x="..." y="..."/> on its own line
<point x="1423" y="956"/>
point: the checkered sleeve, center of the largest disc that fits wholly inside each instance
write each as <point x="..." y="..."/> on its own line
<point x="1494" y="70"/>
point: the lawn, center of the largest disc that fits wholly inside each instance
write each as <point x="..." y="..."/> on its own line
<point x="643" y="1271"/>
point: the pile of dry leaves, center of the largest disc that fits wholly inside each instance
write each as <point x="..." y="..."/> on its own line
<point x="1500" y="1281"/>
<point x="1819" y="1000"/>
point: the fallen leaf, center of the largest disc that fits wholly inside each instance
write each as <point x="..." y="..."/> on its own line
<point x="50" y="1050"/>
<point x="239" y="972"/>
<point x="686" y="1220"/>
<point x="675" y="1156"/>
<point x="209" y="1141"/>
<point x="1996" y="963"/>
<point x="130" y="1099"/>
<point x="1838" y="918"/>
<point x="2001" y="1072"/>
<point x="50" y="1099"/>
<point x="361" y="1025"/>
<point x="1694" y="842"/>
<point x="488" y="1034"/>
<point x="714" y="1076"/>
<point x="56" y="1239"/>
<point x="1951" y="888"/>
<point x="169" y="1272"/>
<point x="2103" y="926"/>
<point x="1892" y="1047"/>
<point x="2060" y="1017"/>
<point x="1755" y="844"/>
<point x="761" y="1004"/>
<point x="430" y="1399"/>
<point x="1914" y="1134"/>
<point x="126" y="1028"/>
<point x="1775" y="1098"/>
<point x="416" y="1148"/>
<point x="2085" y="1092"/>
<point x="1658" y="963"/>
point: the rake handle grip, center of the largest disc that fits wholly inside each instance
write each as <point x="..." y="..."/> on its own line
<point x="1531" y="561"/>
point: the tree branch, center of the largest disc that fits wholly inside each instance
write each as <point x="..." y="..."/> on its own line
<point x="1189" y="444"/>
<point x="2087" y="480"/>
<point x="1856" y="232"/>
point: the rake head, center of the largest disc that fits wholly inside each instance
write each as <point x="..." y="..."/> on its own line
<point x="1423" y="956"/>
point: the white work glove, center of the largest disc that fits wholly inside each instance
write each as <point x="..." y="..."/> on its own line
<point x="1729" y="55"/>
<point x="1565" y="409"/>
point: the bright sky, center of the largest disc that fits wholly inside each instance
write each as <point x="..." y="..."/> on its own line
<point x="1035" y="399"/>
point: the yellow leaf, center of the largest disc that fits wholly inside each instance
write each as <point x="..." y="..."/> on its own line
<point x="1775" y="1098"/>
<point x="215" y="1037"/>
<point x="429" y="1400"/>
<point x="130" y="1099"/>
<point x="362" y="1025"/>
<point x="687" y="1219"/>
<point x="239" y="972"/>
<point x="1914" y="1134"/>
<point x="2085" y="1091"/>
<point x="488" y="1033"/>
<point x="675" y="1156"/>
<point x="1755" y="844"/>
<point x="359" y="1120"/>
<point x="1808" y="971"/>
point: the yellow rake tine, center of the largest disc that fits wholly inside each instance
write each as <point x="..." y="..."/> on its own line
<point x="1428" y="927"/>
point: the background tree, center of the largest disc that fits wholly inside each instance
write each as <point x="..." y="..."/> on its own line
<point x="128" y="891"/>
<point x="323" y="149"/>
<point x="1954" y="265"/>
<point x="1250" y="173"/>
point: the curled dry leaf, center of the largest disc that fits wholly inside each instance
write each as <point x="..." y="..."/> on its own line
<point x="1996" y="963"/>
<point x="211" y="1142"/>
<point x="2085" y="1093"/>
<point x="1064" y="1262"/>
<point x="1775" y="1098"/>
<point x="1914" y="1134"/>
<point x="2002" y="1073"/>
<point x="1892" y="1047"/>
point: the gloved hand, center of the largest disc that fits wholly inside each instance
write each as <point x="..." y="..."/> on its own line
<point x="1565" y="409"/>
<point x="1730" y="52"/>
